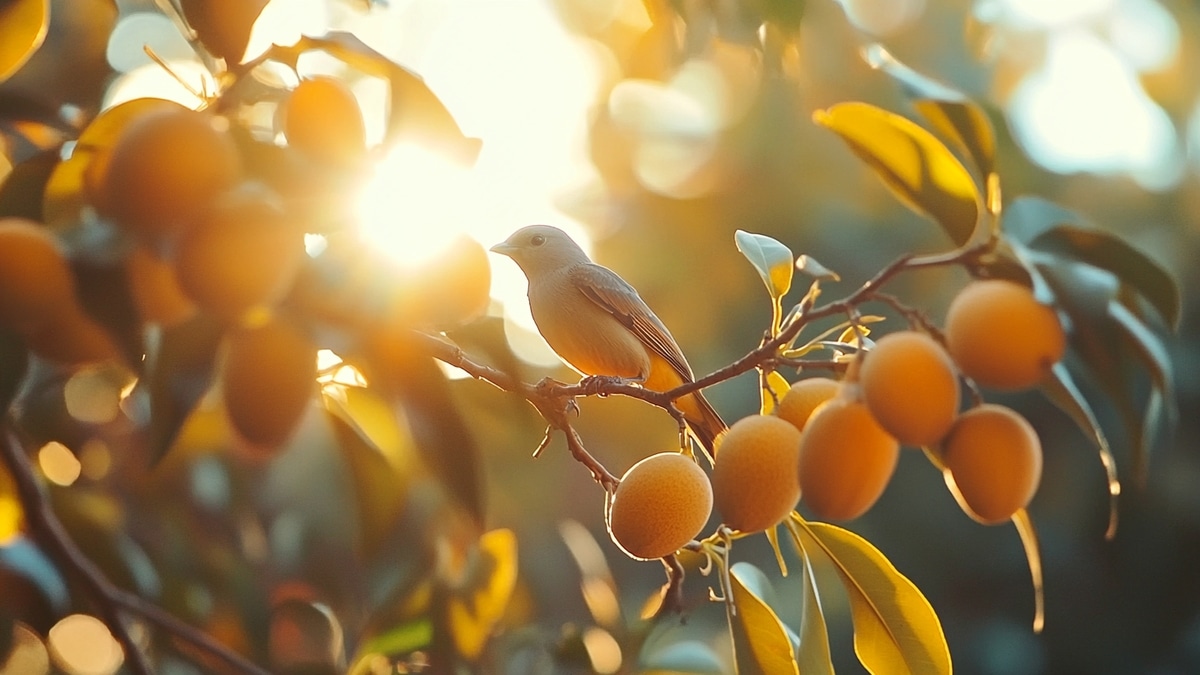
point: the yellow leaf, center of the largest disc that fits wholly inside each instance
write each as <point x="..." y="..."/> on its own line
<point x="895" y="628"/>
<point x="23" y="26"/>
<point x="918" y="168"/>
<point x="475" y="613"/>
<point x="766" y="637"/>
<point x="11" y="514"/>
<point x="776" y="387"/>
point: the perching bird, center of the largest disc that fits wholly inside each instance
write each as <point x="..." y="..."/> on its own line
<point x="596" y="322"/>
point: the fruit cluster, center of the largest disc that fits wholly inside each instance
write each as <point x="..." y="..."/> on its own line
<point x="835" y="444"/>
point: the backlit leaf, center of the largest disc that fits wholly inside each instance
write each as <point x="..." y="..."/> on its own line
<point x="1033" y="555"/>
<point x="223" y="28"/>
<point x="764" y="645"/>
<point x="918" y="168"/>
<point x="683" y="656"/>
<point x="895" y="628"/>
<point x="416" y="113"/>
<point x="771" y="259"/>
<point x="179" y="368"/>
<point x="400" y="640"/>
<point x="776" y="387"/>
<point x="23" y="25"/>
<point x="816" y="270"/>
<point x="473" y="614"/>
<point x="1148" y="349"/>
<point x="951" y="112"/>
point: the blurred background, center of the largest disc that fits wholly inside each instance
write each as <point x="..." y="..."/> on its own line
<point x="652" y="151"/>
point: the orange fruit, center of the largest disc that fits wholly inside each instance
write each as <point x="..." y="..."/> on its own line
<point x="35" y="278"/>
<point x="1001" y="336"/>
<point x="155" y="290"/>
<point x="165" y="168"/>
<point x="321" y="118"/>
<point x="72" y="338"/>
<point x="993" y="461"/>
<point x="242" y="254"/>
<point x="453" y="288"/>
<point x="269" y="374"/>
<point x="846" y="459"/>
<point x="754" y="479"/>
<point x="911" y="387"/>
<point x="662" y="503"/>
<point x="803" y="397"/>
<point x="223" y="25"/>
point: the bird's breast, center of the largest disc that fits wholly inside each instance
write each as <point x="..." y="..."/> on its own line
<point x="583" y="334"/>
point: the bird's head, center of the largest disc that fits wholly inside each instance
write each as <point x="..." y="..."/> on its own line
<point x="541" y="248"/>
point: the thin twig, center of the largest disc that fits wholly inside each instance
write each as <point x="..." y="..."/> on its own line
<point x="672" y="598"/>
<point x="112" y="601"/>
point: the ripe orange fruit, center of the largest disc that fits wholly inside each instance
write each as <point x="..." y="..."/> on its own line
<point x="35" y="279"/>
<point x="72" y="338"/>
<point x="165" y="168"/>
<point x="911" y="387"/>
<point x="662" y="503"/>
<point x="803" y="397"/>
<point x="846" y="459"/>
<point x="321" y="118"/>
<point x="993" y="461"/>
<point x="1001" y="336"/>
<point x="452" y="288"/>
<point x="269" y="375"/>
<point x="155" y="289"/>
<point x="242" y="254"/>
<point x="754" y="480"/>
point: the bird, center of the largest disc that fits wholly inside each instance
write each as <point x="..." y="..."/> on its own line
<point x="597" y="323"/>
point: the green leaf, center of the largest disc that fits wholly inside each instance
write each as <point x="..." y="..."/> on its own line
<point x="772" y="259"/>
<point x="1033" y="555"/>
<point x="1109" y="252"/>
<point x="416" y="113"/>
<point x="813" y="657"/>
<point x="895" y="628"/>
<point x="1149" y="350"/>
<point x="692" y="657"/>
<point x="952" y="113"/>
<point x="919" y="169"/>
<point x="179" y="368"/>
<point x="400" y="640"/>
<point x="764" y="645"/>
<point x="23" y="26"/>
<point x="1060" y="388"/>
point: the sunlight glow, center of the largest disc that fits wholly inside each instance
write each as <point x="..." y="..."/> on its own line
<point x="1043" y="14"/>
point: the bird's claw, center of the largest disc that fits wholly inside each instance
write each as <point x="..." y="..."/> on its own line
<point x="594" y="385"/>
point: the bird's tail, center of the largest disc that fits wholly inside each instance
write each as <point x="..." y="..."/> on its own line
<point x="702" y="419"/>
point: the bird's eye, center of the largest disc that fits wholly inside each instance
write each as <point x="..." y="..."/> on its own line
<point x="537" y="240"/>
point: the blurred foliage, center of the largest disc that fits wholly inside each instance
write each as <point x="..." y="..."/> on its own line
<point x="400" y="525"/>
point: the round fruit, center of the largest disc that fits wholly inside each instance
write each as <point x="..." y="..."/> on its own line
<point x="911" y="387"/>
<point x="155" y="290"/>
<point x="1001" y="336"/>
<point x="993" y="461"/>
<point x="321" y="118"/>
<point x="165" y="168"/>
<point x="72" y="338"/>
<point x="269" y="374"/>
<point x="754" y="479"/>
<point x="661" y="504"/>
<point x="803" y="397"/>
<point x="452" y="288"/>
<point x="846" y="459"/>
<point x="242" y="254"/>
<point x="35" y="279"/>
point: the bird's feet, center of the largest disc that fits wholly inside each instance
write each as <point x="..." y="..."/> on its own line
<point x="595" y="385"/>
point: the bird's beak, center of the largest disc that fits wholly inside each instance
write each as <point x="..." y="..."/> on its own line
<point x="504" y="248"/>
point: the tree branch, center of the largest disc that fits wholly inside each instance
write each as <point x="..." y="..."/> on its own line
<point x="48" y="530"/>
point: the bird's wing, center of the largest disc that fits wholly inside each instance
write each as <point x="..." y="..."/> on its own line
<point x="603" y="287"/>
